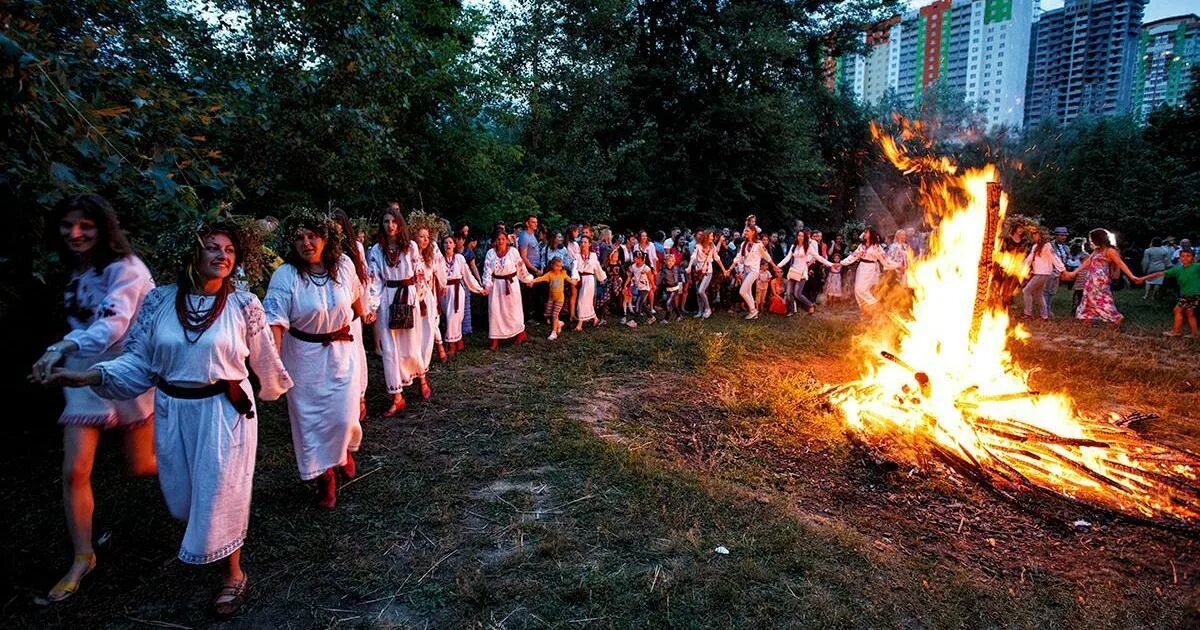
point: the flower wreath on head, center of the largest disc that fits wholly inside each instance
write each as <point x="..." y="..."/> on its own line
<point x="172" y="252"/>
<point x="438" y="227"/>
<point x="308" y="218"/>
<point x="1014" y="221"/>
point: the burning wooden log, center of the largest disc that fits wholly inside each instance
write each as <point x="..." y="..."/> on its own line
<point x="921" y="377"/>
<point x="987" y="248"/>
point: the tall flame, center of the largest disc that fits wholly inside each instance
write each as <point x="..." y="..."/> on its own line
<point x="946" y="384"/>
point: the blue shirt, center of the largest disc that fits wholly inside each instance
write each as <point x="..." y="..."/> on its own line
<point x="527" y="242"/>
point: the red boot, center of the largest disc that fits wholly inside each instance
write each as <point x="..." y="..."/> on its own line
<point x="327" y="490"/>
<point x="520" y="338"/>
<point x="426" y="392"/>
<point x="350" y="468"/>
<point x="494" y="345"/>
<point x="397" y="406"/>
<point x="462" y="345"/>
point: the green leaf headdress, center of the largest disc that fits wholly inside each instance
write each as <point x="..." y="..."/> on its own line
<point x="307" y="218"/>
<point x="175" y="250"/>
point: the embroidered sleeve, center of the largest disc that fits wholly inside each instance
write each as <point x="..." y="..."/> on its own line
<point x="468" y="278"/>
<point x="131" y="374"/>
<point x="278" y="303"/>
<point x="128" y="282"/>
<point x="489" y="264"/>
<point x="264" y="360"/>
<point x="523" y="272"/>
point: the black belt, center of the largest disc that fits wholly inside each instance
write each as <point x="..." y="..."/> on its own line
<point x="586" y="273"/>
<point x="396" y="284"/>
<point x="341" y="334"/>
<point x="230" y="389"/>
<point x="507" y="285"/>
<point x="454" y="282"/>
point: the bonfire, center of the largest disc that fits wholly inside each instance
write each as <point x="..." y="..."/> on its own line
<point x="942" y="384"/>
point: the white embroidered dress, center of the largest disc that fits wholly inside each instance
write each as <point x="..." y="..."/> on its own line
<point x="205" y="447"/>
<point x="459" y="281"/>
<point x="505" y="319"/>
<point x="428" y="320"/>
<point x="101" y="306"/>
<point x="869" y="259"/>
<point x="323" y="408"/>
<point x="402" y="349"/>
<point x="588" y="274"/>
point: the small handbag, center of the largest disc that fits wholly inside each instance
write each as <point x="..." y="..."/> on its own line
<point x="400" y="312"/>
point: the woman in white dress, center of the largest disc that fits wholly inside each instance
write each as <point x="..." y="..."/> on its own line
<point x="194" y="340"/>
<point x="804" y="252"/>
<point x="502" y="270"/>
<point x="430" y="286"/>
<point x="870" y="257"/>
<point x="750" y="255"/>
<point x="588" y="273"/>
<point x="107" y="285"/>
<point x="459" y="280"/>
<point x="311" y="304"/>
<point x="395" y="265"/>
<point x="704" y="256"/>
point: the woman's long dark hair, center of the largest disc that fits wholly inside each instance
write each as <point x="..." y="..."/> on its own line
<point x="802" y="240"/>
<point x="360" y="265"/>
<point x="871" y="237"/>
<point x="331" y="257"/>
<point x="402" y="237"/>
<point x="111" y="243"/>
<point x="1099" y="238"/>
<point x="188" y="279"/>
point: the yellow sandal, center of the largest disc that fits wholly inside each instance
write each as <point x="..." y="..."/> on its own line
<point x="66" y="588"/>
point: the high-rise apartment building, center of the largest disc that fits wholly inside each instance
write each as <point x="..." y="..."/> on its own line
<point x="1167" y="51"/>
<point x="1081" y="60"/>
<point x="977" y="49"/>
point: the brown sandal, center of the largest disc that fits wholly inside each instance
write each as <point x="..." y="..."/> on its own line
<point x="230" y="598"/>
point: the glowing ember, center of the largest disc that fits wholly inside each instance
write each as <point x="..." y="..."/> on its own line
<point x="944" y="383"/>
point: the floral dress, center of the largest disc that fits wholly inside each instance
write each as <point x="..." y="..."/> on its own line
<point x="1098" y="300"/>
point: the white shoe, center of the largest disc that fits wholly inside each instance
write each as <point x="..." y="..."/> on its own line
<point x="707" y="314"/>
<point x="752" y="315"/>
<point x="553" y="336"/>
<point x="631" y="324"/>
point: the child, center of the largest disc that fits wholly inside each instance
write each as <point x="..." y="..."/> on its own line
<point x="614" y="284"/>
<point x="556" y="279"/>
<point x="1188" y="277"/>
<point x="641" y="279"/>
<point x="775" y="302"/>
<point x="761" y="286"/>
<point x="833" y="284"/>
<point x="673" y="288"/>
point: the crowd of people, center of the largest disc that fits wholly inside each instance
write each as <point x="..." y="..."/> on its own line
<point x="179" y="367"/>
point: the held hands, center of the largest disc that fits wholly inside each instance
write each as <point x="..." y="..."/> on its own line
<point x="44" y="366"/>
<point x="370" y="318"/>
<point x="72" y="378"/>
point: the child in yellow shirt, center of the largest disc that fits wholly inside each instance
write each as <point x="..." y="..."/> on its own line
<point x="556" y="279"/>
